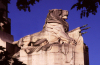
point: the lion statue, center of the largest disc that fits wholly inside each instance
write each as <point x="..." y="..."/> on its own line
<point x="54" y="30"/>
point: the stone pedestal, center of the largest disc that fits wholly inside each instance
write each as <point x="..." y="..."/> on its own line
<point x="58" y="54"/>
<point x="79" y="50"/>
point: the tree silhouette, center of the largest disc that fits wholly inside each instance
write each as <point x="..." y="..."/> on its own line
<point x="24" y="4"/>
<point x="5" y="59"/>
<point x="87" y="7"/>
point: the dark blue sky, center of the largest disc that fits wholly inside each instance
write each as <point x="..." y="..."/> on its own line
<point x="25" y="23"/>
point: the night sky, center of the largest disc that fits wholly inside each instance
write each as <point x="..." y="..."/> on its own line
<point x="25" y="23"/>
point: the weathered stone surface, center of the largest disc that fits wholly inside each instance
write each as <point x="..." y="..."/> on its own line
<point x="59" y="54"/>
<point x="54" y="29"/>
<point x="54" y="45"/>
<point x="79" y="51"/>
<point x="55" y="56"/>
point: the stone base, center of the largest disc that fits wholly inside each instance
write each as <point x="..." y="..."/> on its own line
<point x="57" y="55"/>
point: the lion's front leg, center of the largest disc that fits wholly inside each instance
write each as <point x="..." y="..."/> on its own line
<point x="64" y="37"/>
<point x="37" y="46"/>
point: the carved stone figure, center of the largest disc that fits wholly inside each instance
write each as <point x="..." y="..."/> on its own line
<point x="54" y="30"/>
<point x="55" y="44"/>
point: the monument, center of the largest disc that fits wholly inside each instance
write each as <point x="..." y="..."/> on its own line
<point x="55" y="44"/>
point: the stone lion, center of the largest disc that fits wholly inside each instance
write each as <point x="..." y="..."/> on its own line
<point x="54" y="30"/>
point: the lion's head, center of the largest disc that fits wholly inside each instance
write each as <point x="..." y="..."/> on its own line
<point x="58" y="16"/>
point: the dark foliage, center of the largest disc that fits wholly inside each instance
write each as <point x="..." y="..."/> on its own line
<point x="2" y="10"/>
<point x="5" y="59"/>
<point x="5" y="1"/>
<point x="24" y="4"/>
<point x="86" y="7"/>
<point x="2" y="18"/>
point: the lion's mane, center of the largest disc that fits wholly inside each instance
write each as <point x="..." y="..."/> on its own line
<point x="55" y="16"/>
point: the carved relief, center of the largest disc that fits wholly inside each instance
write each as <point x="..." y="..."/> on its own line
<point x="55" y="31"/>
